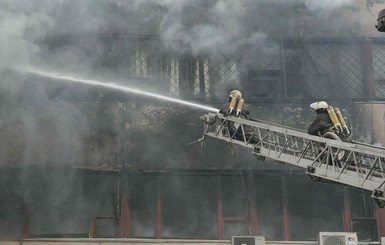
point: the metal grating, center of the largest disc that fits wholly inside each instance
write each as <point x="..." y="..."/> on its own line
<point x="333" y="240"/>
<point x="378" y="54"/>
<point x="333" y="69"/>
<point x="338" y="238"/>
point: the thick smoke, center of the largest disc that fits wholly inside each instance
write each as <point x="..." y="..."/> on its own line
<point x="185" y="26"/>
<point x="48" y="124"/>
<point x="221" y="29"/>
<point x="68" y="35"/>
<point x="20" y="30"/>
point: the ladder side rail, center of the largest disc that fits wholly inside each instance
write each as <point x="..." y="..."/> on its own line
<point x="288" y="131"/>
<point x="325" y="172"/>
<point x="273" y="146"/>
<point x="282" y="129"/>
<point x="322" y="170"/>
<point x="294" y="143"/>
<point x="361" y="165"/>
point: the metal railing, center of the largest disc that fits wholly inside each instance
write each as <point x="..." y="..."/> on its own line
<point x="356" y="164"/>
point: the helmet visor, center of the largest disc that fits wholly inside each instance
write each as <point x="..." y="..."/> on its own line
<point x="314" y="105"/>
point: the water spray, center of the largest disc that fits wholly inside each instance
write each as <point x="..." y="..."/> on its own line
<point x="117" y="87"/>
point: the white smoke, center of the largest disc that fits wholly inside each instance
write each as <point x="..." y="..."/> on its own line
<point x="218" y="26"/>
<point x="315" y="5"/>
<point x="19" y="31"/>
<point x="53" y="130"/>
<point x="184" y="26"/>
<point x="194" y="26"/>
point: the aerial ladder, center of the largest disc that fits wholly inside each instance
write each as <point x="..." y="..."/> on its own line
<point x="355" y="164"/>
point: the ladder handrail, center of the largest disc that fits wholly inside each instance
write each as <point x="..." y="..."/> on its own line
<point x="301" y="133"/>
<point x="356" y="164"/>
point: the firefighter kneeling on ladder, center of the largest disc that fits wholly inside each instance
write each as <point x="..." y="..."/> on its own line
<point x="237" y="107"/>
<point x="329" y="123"/>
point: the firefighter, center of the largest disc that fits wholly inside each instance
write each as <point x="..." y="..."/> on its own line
<point x="236" y="105"/>
<point x="322" y="122"/>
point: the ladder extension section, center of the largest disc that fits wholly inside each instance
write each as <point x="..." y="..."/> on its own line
<point x="355" y="164"/>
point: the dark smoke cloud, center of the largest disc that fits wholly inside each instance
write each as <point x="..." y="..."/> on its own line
<point x="39" y="126"/>
<point x="194" y="26"/>
<point x="184" y="26"/>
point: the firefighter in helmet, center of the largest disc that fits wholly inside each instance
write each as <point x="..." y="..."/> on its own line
<point x="236" y="105"/>
<point x="322" y="122"/>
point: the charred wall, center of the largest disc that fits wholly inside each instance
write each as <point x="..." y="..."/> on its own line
<point x="52" y="128"/>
